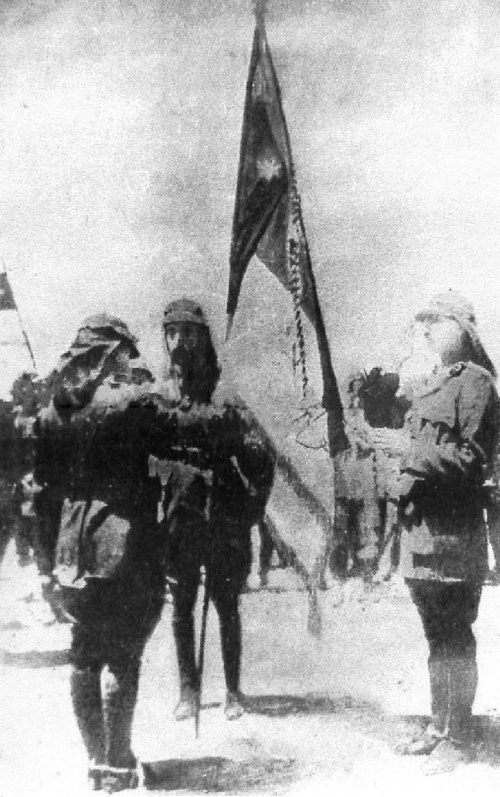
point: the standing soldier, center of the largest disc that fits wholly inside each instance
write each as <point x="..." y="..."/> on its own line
<point x="209" y="505"/>
<point x="447" y="451"/>
<point x="100" y="504"/>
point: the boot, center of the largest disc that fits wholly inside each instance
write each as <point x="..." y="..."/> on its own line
<point x="186" y="707"/>
<point x="119" y="688"/>
<point x="233" y="709"/>
<point x="440" y="683"/>
<point x="119" y="778"/>
<point x="86" y="698"/>
<point x="446" y="757"/>
<point x="425" y="742"/>
<point x="95" y="775"/>
<point x="463" y="672"/>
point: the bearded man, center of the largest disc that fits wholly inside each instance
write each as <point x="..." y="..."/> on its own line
<point x="216" y="482"/>
<point x="447" y="448"/>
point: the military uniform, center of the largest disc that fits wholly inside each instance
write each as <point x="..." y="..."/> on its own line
<point x="215" y="484"/>
<point x="454" y="425"/>
<point x="99" y="505"/>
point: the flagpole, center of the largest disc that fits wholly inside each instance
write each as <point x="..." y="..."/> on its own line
<point x="25" y="335"/>
<point x="26" y="339"/>
<point x="259" y="10"/>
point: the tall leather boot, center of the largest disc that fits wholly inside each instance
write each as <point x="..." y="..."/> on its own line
<point x="454" y="749"/>
<point x="86" y="698"/>
<point x="463" y="671"/>
<point x="424" y="743"/>
<point x="119" y="687"/>
<point x="440" y="683"/>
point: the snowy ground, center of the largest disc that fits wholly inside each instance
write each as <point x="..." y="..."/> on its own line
<point x="323" y="715"/>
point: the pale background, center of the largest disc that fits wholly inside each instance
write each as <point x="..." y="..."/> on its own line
<point x="120" y="124"/>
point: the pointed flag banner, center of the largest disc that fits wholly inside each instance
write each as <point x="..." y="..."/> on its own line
<point x="7" y="301"/>
<point x="268" y="220"/>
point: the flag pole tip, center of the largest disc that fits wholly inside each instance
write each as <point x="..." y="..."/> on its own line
<point x="259" y="10"/>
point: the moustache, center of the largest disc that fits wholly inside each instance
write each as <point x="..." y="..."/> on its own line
<point x="180" y="355"/>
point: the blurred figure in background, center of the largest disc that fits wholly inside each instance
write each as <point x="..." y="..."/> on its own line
<point x="8" y="475"/>
<point x="357" y="517"/>
<point x="27" y="399"/>
<point x="385" y="407"/>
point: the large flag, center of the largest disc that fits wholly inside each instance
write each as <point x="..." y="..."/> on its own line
<point x="7" y="301"/>
<point x="267" y="216"/>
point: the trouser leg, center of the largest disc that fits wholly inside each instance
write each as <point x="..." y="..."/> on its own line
<point x="463" y="678"/>
<point x="184" y="594"/>
<point x="230" y="635"/>
<point x="119" y="688"/>
<point x="447" y="613"/>
<point x="86" y="698"/>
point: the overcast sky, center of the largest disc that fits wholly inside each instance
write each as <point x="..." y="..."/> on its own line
<point x="120" y="124"/>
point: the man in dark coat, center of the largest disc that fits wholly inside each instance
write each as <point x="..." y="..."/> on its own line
<point x="98" y="506"/>
<point x="447" y="449"/>
<point x="209" y="509"/>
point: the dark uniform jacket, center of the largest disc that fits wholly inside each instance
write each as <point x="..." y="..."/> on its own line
<point x="97" y="492"/>
<point x="454" y="423"/>
<point x="100" y="487"/>
<point x="216" y="478"/>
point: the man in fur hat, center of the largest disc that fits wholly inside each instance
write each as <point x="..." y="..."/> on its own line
<point x="209" y="507"/>
<point x="446" y="448"/>
<point x="98" y="509"/>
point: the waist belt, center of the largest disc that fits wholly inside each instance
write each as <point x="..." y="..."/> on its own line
<point x="190" y="455"/>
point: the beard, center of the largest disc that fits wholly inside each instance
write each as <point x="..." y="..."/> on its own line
<point x="416" y="369"/>
<point x="186" y="371"/>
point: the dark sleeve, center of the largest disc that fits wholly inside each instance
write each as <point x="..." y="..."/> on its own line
<point x="253" y="455"/>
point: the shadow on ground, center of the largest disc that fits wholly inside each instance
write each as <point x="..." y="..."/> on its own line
<point x="283" y="705"/>
<point x="214" y="774"/>
<point x="35" y="659"/>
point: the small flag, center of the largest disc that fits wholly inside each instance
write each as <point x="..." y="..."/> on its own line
<point x="268" y="220"/>
<point x="7" y="301"/>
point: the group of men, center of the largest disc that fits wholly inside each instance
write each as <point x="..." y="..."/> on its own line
<point x="139" y="484"/>
<point x="137" y="481"/>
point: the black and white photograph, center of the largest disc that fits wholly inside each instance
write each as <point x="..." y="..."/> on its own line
<point x="249" y="401"/>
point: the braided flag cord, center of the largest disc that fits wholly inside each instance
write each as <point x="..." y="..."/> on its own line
<point x="296" y="287"/>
